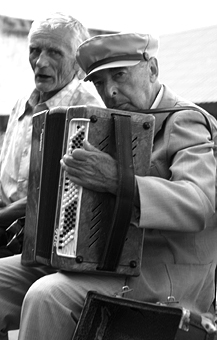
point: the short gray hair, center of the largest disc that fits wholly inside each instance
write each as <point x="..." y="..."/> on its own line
<point x="65" y="21"/>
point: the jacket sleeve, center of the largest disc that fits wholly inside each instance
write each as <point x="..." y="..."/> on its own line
<point x="180" y="193"/>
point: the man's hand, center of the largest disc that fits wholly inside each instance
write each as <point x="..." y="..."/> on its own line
<point x="92" y="169"/>
<point x="12" y="212"/>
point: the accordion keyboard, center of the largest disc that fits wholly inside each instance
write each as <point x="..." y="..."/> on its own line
<point x="71" y="195"/>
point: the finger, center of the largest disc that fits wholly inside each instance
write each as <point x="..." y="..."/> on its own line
<point x="89" y="147"/>
<point x="67" y="159"/>
<point x="70" y="171"/>
<point x="80" y="154"/>
<point x="75" y="180"/>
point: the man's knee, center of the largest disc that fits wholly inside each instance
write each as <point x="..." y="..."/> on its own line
<point x="39" y="292"/>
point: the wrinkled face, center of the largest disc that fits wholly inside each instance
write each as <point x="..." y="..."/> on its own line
<point x="128" y="88"/>
<point x="51" y="58"/>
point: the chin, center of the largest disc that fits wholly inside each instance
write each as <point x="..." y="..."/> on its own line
<point x="44" y="88"/>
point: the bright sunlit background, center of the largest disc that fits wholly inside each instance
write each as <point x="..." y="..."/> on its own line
<point x="162" y="16"/>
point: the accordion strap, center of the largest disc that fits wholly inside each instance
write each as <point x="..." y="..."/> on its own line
<point x="181" y="108"/>
<point x="125" y="194"/>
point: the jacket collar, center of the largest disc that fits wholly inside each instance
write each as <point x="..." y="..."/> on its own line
<point x="169" y="99"/>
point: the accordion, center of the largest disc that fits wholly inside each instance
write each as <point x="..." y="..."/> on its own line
<point x="72" y="228"/>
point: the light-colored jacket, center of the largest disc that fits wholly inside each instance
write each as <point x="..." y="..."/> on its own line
<point x="177" y="211"/>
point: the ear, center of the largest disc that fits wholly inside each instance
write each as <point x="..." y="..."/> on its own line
<point x="154" y="70"/>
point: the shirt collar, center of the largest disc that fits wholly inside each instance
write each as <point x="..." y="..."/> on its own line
<point x="158" y="98"/>
<point x="60" y="98"/>
<point x="30" y="104"/>
<point x="159" y="117"/>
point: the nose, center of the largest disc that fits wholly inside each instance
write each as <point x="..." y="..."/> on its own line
<point x="110" y="89"/>
<point x="42" y="60"/>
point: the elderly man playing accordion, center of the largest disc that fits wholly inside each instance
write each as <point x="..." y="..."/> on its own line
<point x="175" y="204"/>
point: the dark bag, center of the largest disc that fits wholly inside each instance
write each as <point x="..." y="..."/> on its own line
<point x="3" y="238"/>
<point x="115" y="318"/>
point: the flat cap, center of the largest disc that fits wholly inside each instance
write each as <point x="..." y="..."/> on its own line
<point x="115" y="50"/>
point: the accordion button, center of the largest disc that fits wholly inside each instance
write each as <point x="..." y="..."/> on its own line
<point x="133" y="264"/>
<point x="79" y="259"/>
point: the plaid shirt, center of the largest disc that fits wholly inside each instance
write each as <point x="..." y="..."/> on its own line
<point x="16" y="148"/>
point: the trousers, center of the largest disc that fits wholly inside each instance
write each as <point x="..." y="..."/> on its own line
<point x="44" y="303"/>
